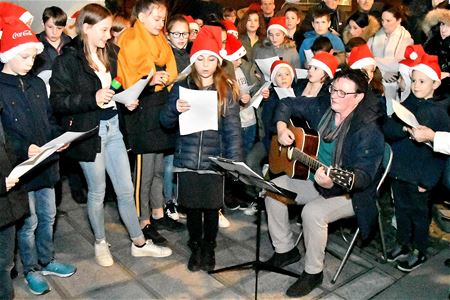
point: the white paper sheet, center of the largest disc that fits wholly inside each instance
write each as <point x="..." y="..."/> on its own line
<point x="45" y="76"/>
<point x="284" y="92"/>
<point x="47" y="150"/>
<point x="183" y="74"/>
<point x="301" y="73"/>
<point x="257" y="97"/>
<point x="132" y="93"/>
<point x="404" y="114"/>
<point x="308" y="56"/>
<point x="265" y="64"/>
<point x="203" y="113"/>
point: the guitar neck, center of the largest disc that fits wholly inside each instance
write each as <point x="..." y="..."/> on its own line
<point x="307" y="160"/>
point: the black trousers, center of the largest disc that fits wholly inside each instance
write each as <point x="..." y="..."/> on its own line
<point x="412" y="214"/>
<point x="202" y="224"/>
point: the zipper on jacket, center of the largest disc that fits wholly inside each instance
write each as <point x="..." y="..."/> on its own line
<point x="21" y="85"/>
<point x="200" y="151"/>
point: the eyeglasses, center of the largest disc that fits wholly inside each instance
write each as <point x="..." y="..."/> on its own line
<point x="180" y="34"/>
<point x="340" y="93"/>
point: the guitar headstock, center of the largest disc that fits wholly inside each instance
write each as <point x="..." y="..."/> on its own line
<point x="342" y="177"/>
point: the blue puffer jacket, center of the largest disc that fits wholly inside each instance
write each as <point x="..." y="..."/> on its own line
<point x="362" y="151"/>
<point x="192" y="150"/>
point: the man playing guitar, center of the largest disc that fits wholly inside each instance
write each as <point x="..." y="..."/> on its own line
<point x="351" y="139"/>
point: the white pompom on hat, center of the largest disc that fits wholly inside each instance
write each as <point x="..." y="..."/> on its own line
<point x="233" y="49"/>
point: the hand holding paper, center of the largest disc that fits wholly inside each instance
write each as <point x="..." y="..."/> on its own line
<point x="132" y="93"/>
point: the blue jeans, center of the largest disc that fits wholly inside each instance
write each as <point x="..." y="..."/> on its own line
<point x="7" y="240"/>
<point x="35" y="237"/>
<point x="113" y="159"/>
<point x="169" y="185"/>
<point x="248" y="138"/>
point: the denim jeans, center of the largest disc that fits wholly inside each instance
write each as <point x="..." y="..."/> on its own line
<point x="168" y="183"/>
<point x="35" y="237"/>
<point x="7" y="240"/>
<point x="248" y="138"/>
<point x="113" y="159"/>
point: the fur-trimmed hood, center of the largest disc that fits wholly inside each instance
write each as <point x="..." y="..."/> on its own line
<point x="368" y="32"/>
<point x="434" y="17"/>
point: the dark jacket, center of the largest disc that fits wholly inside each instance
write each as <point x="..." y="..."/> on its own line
<point x="27" y="119"/>
<point x="362" y="151"/>
<point x="192" y="150"/>
<point x="44" y="61"/>
<point x="13" y="204"/>
<point x="182" y="58"/>
<point x="414" y="162"/>
<point x="73" y="87"/>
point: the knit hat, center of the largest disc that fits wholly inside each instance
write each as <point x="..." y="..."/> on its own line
<point x="278" y="23"/>
<point x="10" y="12"/>
<point x="233" y="49"/>
<point x="17" y="37"/>
<point x="360" y="57"/>
<point x="429" y="65"/>
<point x="276" y="65"/>
<point x="208" y="42"/>
<point x="325" y="61"/>
<point x="231" y="28"/>
<point x="192" y="24"/>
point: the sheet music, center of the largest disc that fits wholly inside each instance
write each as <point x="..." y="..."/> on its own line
<point x="255" y="101"/>
<point x="264" y="65"/>
<point x="183" y="74"/>
<point x="132" y="93"/>
<point x="284" y="92"/>
<point x="301" y="73"/>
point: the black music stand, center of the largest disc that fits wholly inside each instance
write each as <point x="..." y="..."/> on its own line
<point x="246" y="175"/>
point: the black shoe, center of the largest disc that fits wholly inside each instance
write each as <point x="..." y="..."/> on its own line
<point x="447" y="262"/>
<point x="305" y="284"/>
<point x="166" y="223"/>
<point x="151" y="233"/>
<point x="231" y="203"/>
<point x="280" y="260"/>
<point x="414" y="260"/>
<point x="195" y="260"/>
<point x="79" y="196"/>
<point x="13" y="274"/>
<point x="60" y="213"/>
<point x="398" y="252"/>
<point x="208" y="256"/>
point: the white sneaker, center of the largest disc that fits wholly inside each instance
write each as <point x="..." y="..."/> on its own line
<point x="171" y="211"/>
<point x="251" y="209"/>
<point x="150" y="249"/>
<point x="223" y="222"/>
<point x="103" y="256"/>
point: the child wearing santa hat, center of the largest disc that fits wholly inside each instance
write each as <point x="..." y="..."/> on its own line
<point x="415" y="168"/>
<point x="200" y="186"/>
<point x="321" y="70"/>
<point x="28" y="132"/>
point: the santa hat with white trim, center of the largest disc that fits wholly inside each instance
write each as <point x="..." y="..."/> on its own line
<point x="429" y="65"/>
<point x="17" y="37"/>
<point x="230" y="27"/>
<point x="413" y="56"/>
<point x="278" y="23"/>
<point x="208" y="42"/>
<point x="360" y="57"/>
<point x="276" y="66"/>
<point x="325" y="61"/>
<point x="10" y="11"/>
<point x="192" y="24"/>
<point x="233" y="49"/>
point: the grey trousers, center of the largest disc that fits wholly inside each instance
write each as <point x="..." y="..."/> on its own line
<point x="316" y="215"/>
<point x="149" y="183"/>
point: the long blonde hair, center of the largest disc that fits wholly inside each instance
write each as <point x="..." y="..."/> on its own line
<point x="223" y="84"/>
<point x="91" y="14"/>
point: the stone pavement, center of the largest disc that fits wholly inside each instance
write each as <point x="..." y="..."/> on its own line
<point x="364" y="276"/>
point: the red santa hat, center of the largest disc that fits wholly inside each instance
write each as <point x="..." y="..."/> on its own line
<point x="413" y="55"/>
<point x="325" y="61"/>
<point x="233" y="49"/>
<point x="192" y="24"/>
<point x="360" y="57"/>
<point x="254" y="7"/>
<point x="230" y="27"/>
<point x="11" y="11"/>
<point x="73" y="18"/>
<point x="429" y="65"/>
<point x="17" y="37"/>
<point x="278" y="23"/>
<point x="208" y="42"/>
<point x="276" y="66"/>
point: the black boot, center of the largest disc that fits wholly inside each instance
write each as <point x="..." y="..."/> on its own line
<point x="208" y="256"/>
<point x="195" y="260"/>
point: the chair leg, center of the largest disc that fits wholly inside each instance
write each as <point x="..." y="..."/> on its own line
<point x="346" y="256"/>
<point x="383" y="242"/>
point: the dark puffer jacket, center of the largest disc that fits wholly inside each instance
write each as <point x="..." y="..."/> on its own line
<point x="362" y="151"/>
<point x="192" y="150"/>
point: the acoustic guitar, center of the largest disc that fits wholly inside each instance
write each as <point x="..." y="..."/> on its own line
<point x="299" y="159"/>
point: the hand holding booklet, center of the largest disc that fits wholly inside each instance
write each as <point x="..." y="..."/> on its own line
<point x="46" y="150"/>
<point x="133" y="92"/>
